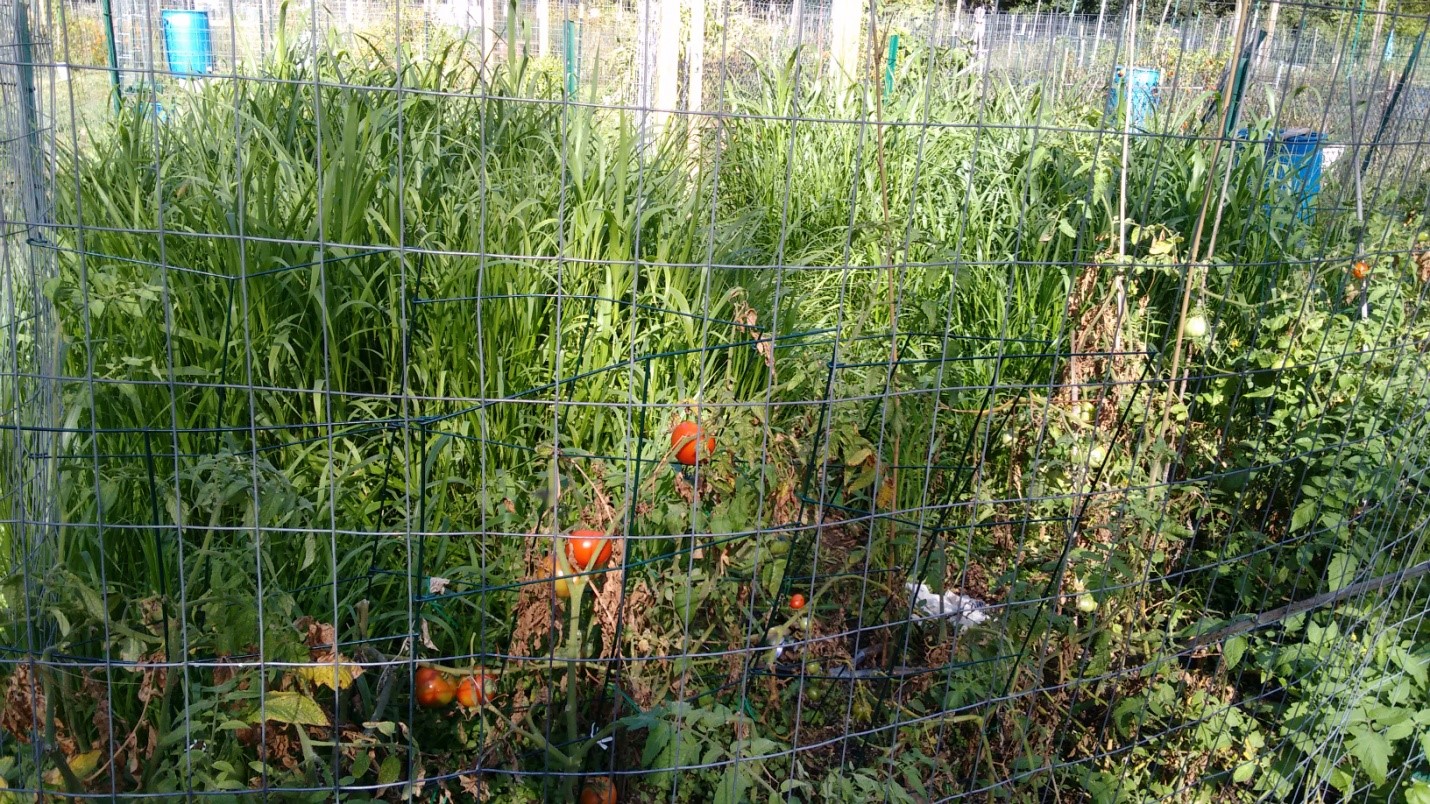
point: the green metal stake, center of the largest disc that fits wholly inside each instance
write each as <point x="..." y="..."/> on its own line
<point x="1238" y="83"/>
<point x="570" y="34"/>
<point x="1394" y="101"/>
<point x="893" y="60"/>
<point x="113" y="54"/>
<point x="1355" y="38"/>
<point x="29" y="112"/>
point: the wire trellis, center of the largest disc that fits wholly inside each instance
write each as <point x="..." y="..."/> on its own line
<point x="619" y="398"/>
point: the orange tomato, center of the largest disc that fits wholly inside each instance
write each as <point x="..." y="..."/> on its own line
<point x="477" y="689"/>
<point x="434" y="690"/>
<point x="552" y="569"/>
<point x="599" y="791"/>
<point x="1361" y="269"/>
<point x="582" y="546"/>
<point x="797" y="601"/>
<point x="685" y="438"/>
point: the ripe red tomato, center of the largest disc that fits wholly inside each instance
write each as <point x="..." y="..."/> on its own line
<point x="1361" y="269"/>
<point x="434" y="690"/>
<point x="584" y="545"/>
<point x="599" y="791"/>
<point x="684" y="440"/>
<point x="797" y="601"/>
<point x="475" y="690"/>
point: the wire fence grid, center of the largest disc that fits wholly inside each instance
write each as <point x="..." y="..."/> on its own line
<point x="714" y="401"/>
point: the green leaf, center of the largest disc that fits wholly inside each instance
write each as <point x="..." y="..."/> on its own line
<point x="858" y="456"/>
<point x="1233" y="650"/>
<point x="1341" y="570"/>
<point x="1418" y="793"/>
<point x="389" y="770"/>
<point x="1304" y="513"/>
<point x="293" y="708"/>
<point x="1066" y="228"/>
<point x="310" y="551"/>
<point x="732" y="786"/>
<point x="1373" y="750"/>
<point x="1243" y="772"/>
<point x="864" y="478"/>
<point x="1413" y="665"/>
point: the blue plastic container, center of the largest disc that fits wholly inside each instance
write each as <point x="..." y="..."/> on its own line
<point x="1297" y="167"/>
<point x="1143" y="97"/>
<point x="188" y="42"/>
<point x="1294" y="167"/>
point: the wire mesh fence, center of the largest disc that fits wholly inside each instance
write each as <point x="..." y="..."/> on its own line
<point x="714" y="401"/>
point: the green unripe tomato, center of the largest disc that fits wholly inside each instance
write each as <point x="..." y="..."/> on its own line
<point x="1195" y="327"/>
<point x="1086" y="603"/>
<point x="1097" y="455"/>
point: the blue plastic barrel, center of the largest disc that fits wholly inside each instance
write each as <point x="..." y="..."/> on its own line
<point x="1293" y="166"/>
<point x="1144" y="82"/>
<point x="188" y="42"/>
<point x="1297" y="168"/>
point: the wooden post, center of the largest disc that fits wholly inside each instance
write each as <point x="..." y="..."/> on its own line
<point x="667" y="69"/>
<point x="845" y="19"/>
<point x="1377" y="46"/>
<point x="645" y="62"/>
<point x="543" y="27"/>
<point x="488" y="35"/>
<point x="1097" y="37"/>
<point x="1271" y="18"/>
<point x="695" y="57"/>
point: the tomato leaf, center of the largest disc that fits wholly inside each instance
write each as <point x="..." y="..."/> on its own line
<point x="293" y="708"/>
<point x="390" y="769"/>
<point x="1233" y="650"/>
<point x="81" y="765"/>
<point x="1373" y="750"/>
<point x="333" y="675"/>
<point x="1341" y="570"/>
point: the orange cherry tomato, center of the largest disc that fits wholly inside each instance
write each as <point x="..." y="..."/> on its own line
<point x="684" y="440"/>
<point x="552" y="569"/>
<point x="582" y="546"/>
<point x="1361" y="269"/>
<point x="476" y="690"/>
<point x="797" y="601"/>
<point x="599" y="791"/>
<point x="434" y="690"/>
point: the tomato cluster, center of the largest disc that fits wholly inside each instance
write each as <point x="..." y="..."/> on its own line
<point x="435" y="690"/>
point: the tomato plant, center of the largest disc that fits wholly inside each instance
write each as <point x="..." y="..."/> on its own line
<point x="434" y="689"/>
<point x="587" y="549"/>
<point x="685" y="440"/>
